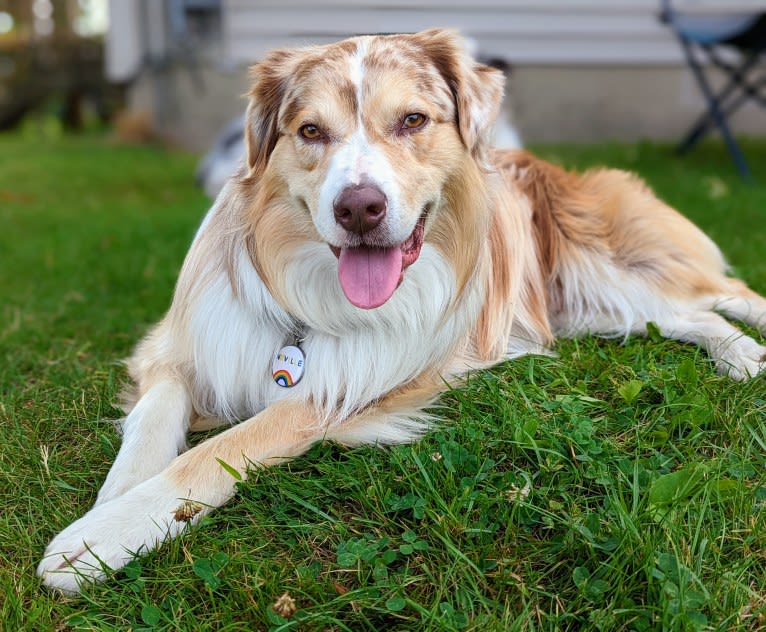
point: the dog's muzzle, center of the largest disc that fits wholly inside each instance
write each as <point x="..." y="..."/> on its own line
<point x="369" y="274"/>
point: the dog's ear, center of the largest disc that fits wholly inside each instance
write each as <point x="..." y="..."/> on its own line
<point x="270" y="80"/>
<point x="476" y="88"/>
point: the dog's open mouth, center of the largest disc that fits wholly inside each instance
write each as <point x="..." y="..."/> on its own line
<point x="369" y="275"/>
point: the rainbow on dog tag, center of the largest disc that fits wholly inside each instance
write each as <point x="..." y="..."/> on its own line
<point x="287" y="367"/>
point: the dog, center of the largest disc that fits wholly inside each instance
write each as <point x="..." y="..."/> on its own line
<point x="374" y="247"/>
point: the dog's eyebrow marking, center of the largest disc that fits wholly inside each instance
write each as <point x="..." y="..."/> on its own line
<point x="349" y="95"/>
<point x="291" y="109"/>
<point x="412" y="63"/>
<point x="296" y="100"/>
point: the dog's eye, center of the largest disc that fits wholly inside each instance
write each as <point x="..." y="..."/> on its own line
<point x="413" y="122"/>
<point x="310" y="132"/>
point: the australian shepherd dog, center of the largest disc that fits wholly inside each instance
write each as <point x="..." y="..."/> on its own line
<point x="373" y="247"/>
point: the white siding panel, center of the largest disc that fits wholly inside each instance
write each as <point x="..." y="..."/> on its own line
<point x="339" y="21"/>
<point x="548" y="6"/>
<point x="512" y="5"/>
<point x="558" y="32"/>
<point x="567" y="51"/>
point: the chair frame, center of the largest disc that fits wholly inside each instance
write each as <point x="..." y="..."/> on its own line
<point x="722" y="104"/>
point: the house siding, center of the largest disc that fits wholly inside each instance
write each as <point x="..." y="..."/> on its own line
<point x="548" y="32"/>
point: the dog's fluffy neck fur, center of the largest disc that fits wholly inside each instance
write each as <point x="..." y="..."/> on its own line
<point x="423" y="327"/>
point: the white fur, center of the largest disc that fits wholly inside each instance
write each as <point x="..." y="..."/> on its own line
<point x="236" y="338"/>
<point x="371" y="349"/>
<point x="750" y="310"/>
<point x="359" y="161"/>
<point x="154" y="433"/>
<point x="734" y="354"/>
<point x="211" y="356"/>
<point x="601" y="298"/>
<point x="356" y="70"/>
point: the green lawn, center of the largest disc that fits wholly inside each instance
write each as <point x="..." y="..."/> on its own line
<point x="616" y="487"/>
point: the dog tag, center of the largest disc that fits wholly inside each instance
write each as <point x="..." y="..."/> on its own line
<point x="288" y="365"/>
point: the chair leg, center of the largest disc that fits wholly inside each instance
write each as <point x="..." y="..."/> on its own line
<point x="704" y="123"/>
<point x="715" y="114"/>
<point x="727" y="99"/>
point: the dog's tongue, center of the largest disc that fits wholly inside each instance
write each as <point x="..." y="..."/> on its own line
<point x="369" y="276"/>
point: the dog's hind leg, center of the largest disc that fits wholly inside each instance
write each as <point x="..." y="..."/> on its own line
<point x="735" y="354"/>
<point x="154" y="433"/>
<point x="741" y="303"/>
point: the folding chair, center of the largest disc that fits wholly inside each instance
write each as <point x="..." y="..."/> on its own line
<point x="704" y="38"/>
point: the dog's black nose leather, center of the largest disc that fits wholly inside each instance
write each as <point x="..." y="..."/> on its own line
<point x="360" y="208"/>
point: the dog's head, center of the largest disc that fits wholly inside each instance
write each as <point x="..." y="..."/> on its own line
<point x="364" y="136"/>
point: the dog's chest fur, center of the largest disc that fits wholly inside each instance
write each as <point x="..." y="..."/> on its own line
<point x="351" y="355"/>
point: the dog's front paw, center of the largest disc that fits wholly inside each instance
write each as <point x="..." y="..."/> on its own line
<point x="113" y="533"/>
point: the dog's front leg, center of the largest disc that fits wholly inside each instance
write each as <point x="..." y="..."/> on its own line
<point x="154" y="433"/>
<point x="115" y="531"/>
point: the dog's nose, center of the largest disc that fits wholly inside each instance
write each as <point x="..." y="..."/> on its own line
<point x="360" y="208"/>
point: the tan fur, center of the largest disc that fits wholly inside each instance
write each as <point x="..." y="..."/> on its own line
<point x="281" y="432"/>
<point x="614" y="213"/>
<point x="516" y="251"/>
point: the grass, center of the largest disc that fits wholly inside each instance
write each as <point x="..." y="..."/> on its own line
<point x="616" y="487"/>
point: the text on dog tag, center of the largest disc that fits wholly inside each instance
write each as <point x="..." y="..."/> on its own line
<point x="287" y="367"/>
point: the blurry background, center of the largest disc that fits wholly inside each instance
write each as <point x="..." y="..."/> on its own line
<point x="53" y="52"/>
<point x="581" y="70"/>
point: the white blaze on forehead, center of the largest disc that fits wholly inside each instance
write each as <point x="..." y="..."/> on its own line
<point x="355" y="161"/>
<point x="356" y="63"/>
